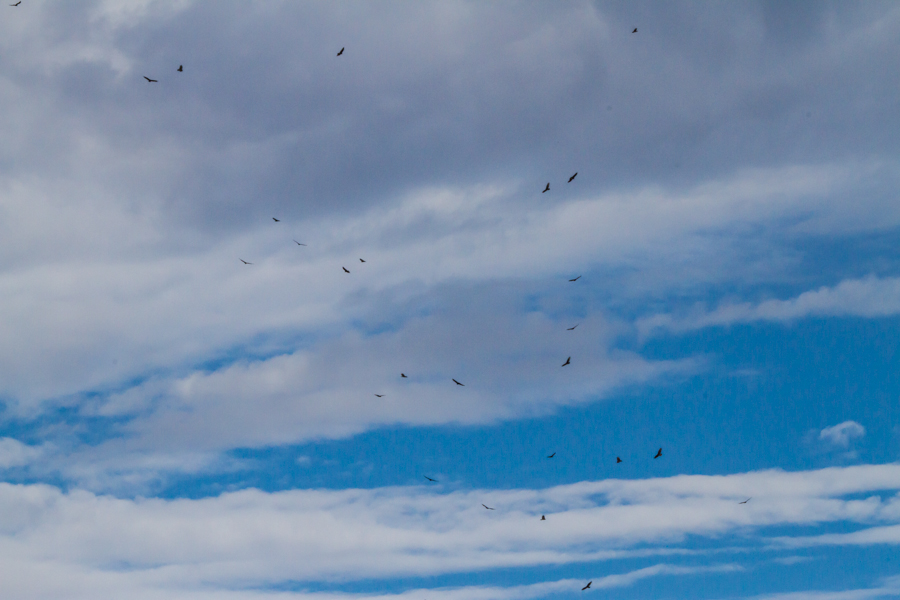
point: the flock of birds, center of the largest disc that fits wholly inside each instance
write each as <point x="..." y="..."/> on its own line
<point x="180" y="69"/>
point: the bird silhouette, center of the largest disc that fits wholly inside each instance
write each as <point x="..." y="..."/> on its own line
<point x="298" y="243"/>
<point x="379" y="395"/>
<point x="658" y="454"/>
<point x="588" y="585"/>
<point x="487" y="507"/>
<point x="457" y="383"/>
<point x="150" y="80"/>
<point x="345" y="269"/>
<point x="746" y="501"/>
<point x="17" y="3"/>
<point x="361" y="260"/>
<point x="568" y="361"/>
<point x="244" y="261"/>
<point x="180" y="68"/>
<point x="276" y="220"/>
<point x="572" y="328"/>
<point x="543" y="518"/>
<point x="341" y="52"/>
<point x="403" y="375"/>
<point x="635" y="30"/>
<point x="429" y="478"/>
<point x="552" y="455"/>
<point x="618" y="460"/>
<point x="576" y="279"/>
<point x="547" y="189"/>
<point x="572" y="177"/>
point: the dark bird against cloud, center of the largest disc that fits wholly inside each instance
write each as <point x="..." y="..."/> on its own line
<point x="588" y="585"/>
<point x="487" y="507"/>
<point x="568" y="361"/>
<point x="276" y="220"/>
<point x="745" y="501"/>
<point x="244" y="261"/>
<point x="361" y="260"/>
<point x="543" y="518"/>
<point x="658" y="454"/>
<point x="456" y="382"/>
<point x="572" y="177"/>
<point x="298" y="243"/>
<point x="345" y="269"/>
<point x="150" y="80"/>
<point x="379" y="395"/>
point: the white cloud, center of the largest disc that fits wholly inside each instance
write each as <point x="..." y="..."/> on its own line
<point x="14" y="453"/>
<point x="841" y="434"/>
<point x="251" y="538"/>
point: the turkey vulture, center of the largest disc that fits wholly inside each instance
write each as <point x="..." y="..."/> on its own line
<point x="588" y="585"/>
<point x="457" y="383"/>
<point x="658" y="454"/>
<point x="150" y="80"/>
<point x="345" y="269"/>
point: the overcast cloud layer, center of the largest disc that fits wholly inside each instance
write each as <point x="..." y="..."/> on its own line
<point x="736" y="196"/>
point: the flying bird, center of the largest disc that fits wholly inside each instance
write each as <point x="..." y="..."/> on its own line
<point x="17" y="3"/>
<point x="746" y="501"/>
<point x="429" y="478"/>
<point x="568" y="362"/>
<point x="588" y="585"/>
<point x="572" y="328"/>
<point x="403" y="375"/>
<point x="150" y="80"/>
<point x="345" y="269"/>
<point x="547" y="189"/>
<point x="457" y="383"/>
<point x="361" y="260"/>
<point x="576" y="279"/>
<point x="298" y="243"/>
<point x="487" y="507"/>
<point x="379" y="395"/>
<point x="341" y="52"/>
<point x="543" y="518"/>
<point x="658" y="454"/>
<point x="244" y="261"/>
<point x="180" y="68"/>
<point x="572" y="177"/>
<point x="276" y="220"/>
<point x="552" y="455"/>
<point x="635" y="30"/>
<point x="618" y="460"/>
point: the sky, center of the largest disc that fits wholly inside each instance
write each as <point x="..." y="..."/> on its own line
<point x="235" y="300"/>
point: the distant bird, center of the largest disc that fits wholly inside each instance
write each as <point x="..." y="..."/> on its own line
<point x="457" y="383"/>
<point x="17" y="3"/>
<point x="572" y="328"/>
<point x="547" y="189"/>
<point x="298" y="243"/>
<point x="345" y="269"/>
<point x="576" y="279"/>
<point x="361" y="260"/>
<point x="572" y="177"/>
<point x="276" y="220"/>
<point x="429" y="478"/>
<point x="180" y="68"/>
<point x="379" y="395"/>
<point x="150" y="80"/>
<point x="746" y="501"/>
<point x="568" y="362"/>
<point x="244" y="261"/>
<point x="487" y="507"/>
<point x="341" y="52"/>
<point x="618" y="460"/>
<point x="552" y="455"/>
<point x="403" y="376"/>
<point x="635" y="30"/>
<point x="543" y="518"/>
<point x="588" y="585"/>
<point x="658" y="454"/>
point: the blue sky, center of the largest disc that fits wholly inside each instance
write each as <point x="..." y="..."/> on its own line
<point x="177" y="424"/>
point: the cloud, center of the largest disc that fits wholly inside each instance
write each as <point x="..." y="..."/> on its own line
<point x="869" y="297"/>
<point x="14" y="453"/>
<point x="841" y="434"/>
<point x="252" y="538"/>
